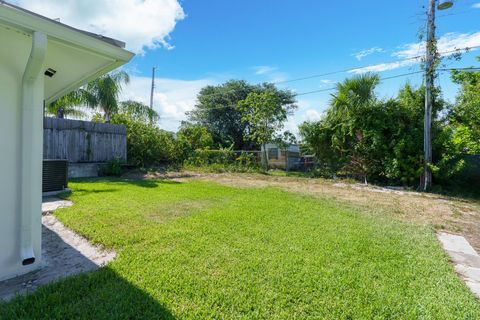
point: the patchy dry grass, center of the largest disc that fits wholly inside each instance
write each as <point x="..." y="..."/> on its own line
<point x="451" y="214"/>
<point x="166" y="212"/>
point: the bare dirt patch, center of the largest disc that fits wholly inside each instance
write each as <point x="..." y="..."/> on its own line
<point x="443" y="213"/>
<point x="137" y="174"/>
<point x="167" y="212"/>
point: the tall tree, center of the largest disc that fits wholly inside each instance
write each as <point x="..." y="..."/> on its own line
<point x="216" y="109"/>
<point x="104" y="92"/>
<point x="266" y="113"/>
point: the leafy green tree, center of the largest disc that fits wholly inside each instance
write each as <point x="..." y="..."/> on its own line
<point x="465" y="115"/>
<point x="194" y="136"/>
<point x="103" y="93"/>
<point x="265" y="112"/>
<point x="216" y="110"/>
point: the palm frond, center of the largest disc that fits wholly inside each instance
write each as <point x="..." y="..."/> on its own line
<point x="139" y="111"/>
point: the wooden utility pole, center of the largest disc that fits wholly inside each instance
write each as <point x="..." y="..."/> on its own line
<point x="426" y="182"/>
<point x="153" y="87"/>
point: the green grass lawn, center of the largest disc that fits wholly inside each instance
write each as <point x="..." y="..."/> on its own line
<point x="199" y="250"/>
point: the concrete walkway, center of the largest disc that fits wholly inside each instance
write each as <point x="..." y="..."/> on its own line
<point x="64" y="253"/>
<point x="50" y="204"/>
<point x="465" y="259"/>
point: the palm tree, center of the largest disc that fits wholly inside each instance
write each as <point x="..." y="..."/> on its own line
<point x="103" y="92"/>
<point x="68" y="105"/>
<point x="355" y="92"/>
<point x="353" y="97"/>
<point x="139" y="111"/>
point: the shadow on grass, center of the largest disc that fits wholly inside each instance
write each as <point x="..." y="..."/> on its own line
<point x="460" y="193"/>
<point x="144" y="183"/>
<point x="99" y="294"/>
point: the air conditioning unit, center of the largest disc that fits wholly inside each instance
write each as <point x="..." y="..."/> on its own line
<point x="55" y="175"/>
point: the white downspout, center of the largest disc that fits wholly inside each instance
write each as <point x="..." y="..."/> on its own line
<point x="29" y="97"/>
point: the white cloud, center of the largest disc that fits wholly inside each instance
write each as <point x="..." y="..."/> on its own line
<point x="447" y="44"/>
<point x="366" y="52"/>
<point x="278" y="77"/>
<point x="271" y="73"/>
<point x="326" y="82"/>
<point x="476" y="5"/>
<point x="412" y="53"/>
<point x="312" y="115"/>
<point x="172" y="98"/>
<point x="262" y="70"/>
<point x="140" y="23"/>
<point x="292" y="126"/>
<point x="385" y="66"/>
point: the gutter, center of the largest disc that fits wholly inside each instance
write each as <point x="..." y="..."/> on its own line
<point x="29" y="103"/>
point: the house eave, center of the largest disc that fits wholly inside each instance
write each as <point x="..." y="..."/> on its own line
<point x="29" y="22"/>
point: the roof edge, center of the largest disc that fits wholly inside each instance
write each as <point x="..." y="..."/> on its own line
<point x="109" y="40"/>
<point x="28" y="21"/>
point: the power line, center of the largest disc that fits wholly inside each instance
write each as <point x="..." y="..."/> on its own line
<point x="417" y="57"/>
<point x="322" y="90"/>
<point x="473" y="69"/>
<point x="358" y="68"/>
<point x="382" y="79"/>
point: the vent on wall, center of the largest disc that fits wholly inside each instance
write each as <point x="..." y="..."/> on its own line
<point x="54" y="175"/>
<point x="50" y="72"/>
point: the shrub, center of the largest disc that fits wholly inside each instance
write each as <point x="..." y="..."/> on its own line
<point x="246" y="159"/>
<point x="111" y="168"/>
<point x="223" y="160"/>
<point x="202" y="157"/>
<point x="193" y="137"/>
<point x="147" y="144"/>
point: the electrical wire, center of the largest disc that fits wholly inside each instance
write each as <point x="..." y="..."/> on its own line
<point x="352" y="69"/>
<point x="373" y="65"/>
<point x="473" y="69"/>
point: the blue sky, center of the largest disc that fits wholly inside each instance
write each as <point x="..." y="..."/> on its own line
<point x="194" y="43"/>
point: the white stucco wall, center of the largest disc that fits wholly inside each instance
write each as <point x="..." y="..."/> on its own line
<point x="77" y="57"/>
<point x="13" y="60"/>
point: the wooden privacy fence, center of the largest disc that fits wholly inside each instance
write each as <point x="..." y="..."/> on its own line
<point x="83" y="141"/>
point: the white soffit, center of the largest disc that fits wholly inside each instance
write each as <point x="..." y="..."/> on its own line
<point x="76" y="56"/>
